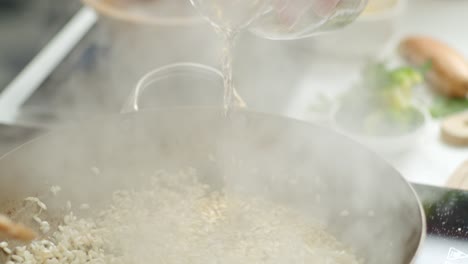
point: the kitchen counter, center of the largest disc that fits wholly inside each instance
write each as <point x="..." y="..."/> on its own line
<point x="429" y="161"/>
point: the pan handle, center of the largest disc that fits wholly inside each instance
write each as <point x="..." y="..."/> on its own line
<point x="176" y="74"/>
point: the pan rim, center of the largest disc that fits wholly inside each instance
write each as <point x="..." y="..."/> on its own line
<point x="422" y="231"/>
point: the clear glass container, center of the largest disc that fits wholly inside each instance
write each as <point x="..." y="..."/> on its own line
<point x="178" y="84"/>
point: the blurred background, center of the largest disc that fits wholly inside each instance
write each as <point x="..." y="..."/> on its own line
<point x="129" y="38"/>
<point x="63" y="61"/>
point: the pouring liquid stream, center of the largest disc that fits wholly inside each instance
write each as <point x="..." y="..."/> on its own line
<point x="273" y="20"/>
<point x="231" y="98"/>
<point x="228" y="18"/>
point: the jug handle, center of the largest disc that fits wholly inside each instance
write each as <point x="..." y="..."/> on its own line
<point x="132" y="103"/>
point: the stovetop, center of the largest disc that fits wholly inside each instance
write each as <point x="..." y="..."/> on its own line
<point x="26" y="26"/>
<point x="81" y="86"/>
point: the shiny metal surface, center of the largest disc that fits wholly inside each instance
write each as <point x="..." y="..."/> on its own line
<point x="299" y="164"/>
<point x="13" y="136"/>
<point x="25" y="28"/>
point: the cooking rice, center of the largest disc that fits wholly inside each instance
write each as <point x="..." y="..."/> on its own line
<point x="176" y="219"/>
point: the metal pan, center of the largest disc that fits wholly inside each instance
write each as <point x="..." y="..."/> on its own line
<point x="364" y="202"/>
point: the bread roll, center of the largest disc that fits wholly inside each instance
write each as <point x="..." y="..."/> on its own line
<point x="449" y="68"/>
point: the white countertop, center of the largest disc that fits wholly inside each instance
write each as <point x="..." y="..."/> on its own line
<point x="430" y="161"/>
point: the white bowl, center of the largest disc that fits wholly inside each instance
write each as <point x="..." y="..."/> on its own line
<point x="386" y="145"/>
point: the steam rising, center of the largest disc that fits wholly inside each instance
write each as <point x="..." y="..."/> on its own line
<point x="176" y="219"/>
<point x="362" y="200"/>
<point x="295" y="164"/>
<point x="101" y="72"/>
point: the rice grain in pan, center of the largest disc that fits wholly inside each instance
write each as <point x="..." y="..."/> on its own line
<point x="176" y="220"/>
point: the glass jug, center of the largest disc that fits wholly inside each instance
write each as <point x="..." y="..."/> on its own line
<point x="280" y="19"/>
